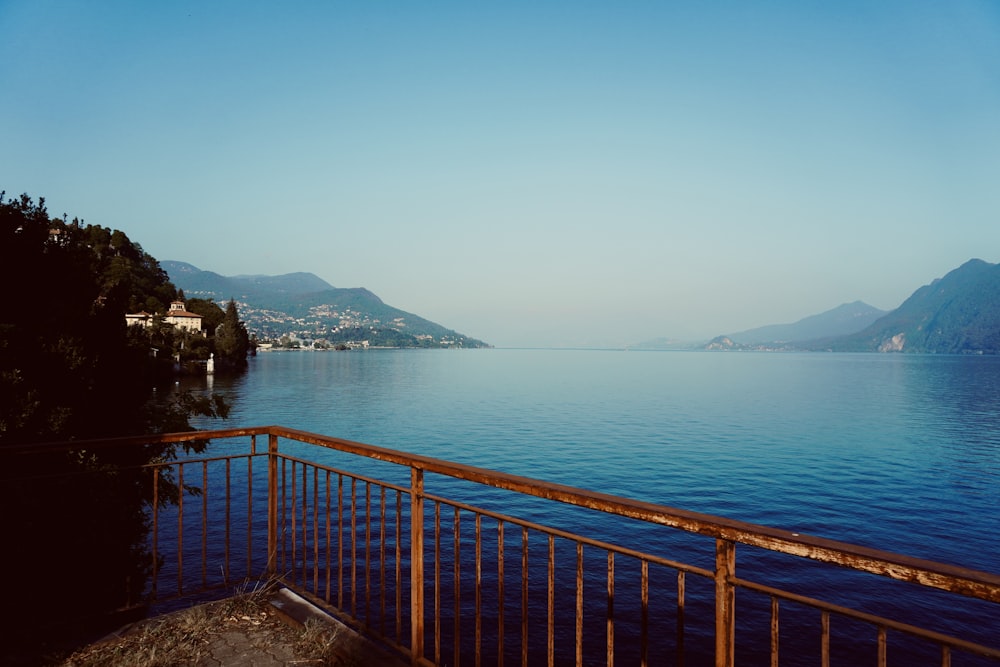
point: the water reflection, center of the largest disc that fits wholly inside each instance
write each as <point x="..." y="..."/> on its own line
<point x="892" y="451"/>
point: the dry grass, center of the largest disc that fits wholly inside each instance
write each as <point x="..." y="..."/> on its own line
<point x="183" y="638"/>
<point x="322" y="645"/>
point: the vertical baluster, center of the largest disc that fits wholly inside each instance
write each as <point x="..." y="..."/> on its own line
<point x="381" y="560"/>
<point x="681" y="603"/>
<point x="725" y="603"/>
<point x="293" y="502"/>
<point x="500" y="592"/>
<point x="579" y="604"/>
<point x="340" y="541"/>
<point x="225" y="562"/>
<point x="304" y="533"/>
<point x="479" y="587"/>
<point x="180" y="528"/>
<point x="354" y="547"/>
<point x="881" y="646"/>
<point x="416" y="564"/>
<point x="551" y="604"/>
<point x="824" y="651"/>
<point x="204" y="525"/>
<point x="250" y="518"/>
<point x="305" y="526"/>
<point x="611" y="609"/>
<point x="156" y="529"/>
<point x="315" y="535"/>
<point x="368" y="553"/>
<point x="328" y="527"/>
<point x="437" y="582"/>
<point x="399" y="560"/>
<point x="284" y="487"/>
<point x="458" y="587"/>
<point x="272" y="503"/>
<point x="644" y="613"/>
<point x="775" y="634"/>
<point x="524" y="596"/>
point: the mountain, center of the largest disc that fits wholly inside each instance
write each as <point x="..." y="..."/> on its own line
<point x="245" y="285"/>
<point x="845" y="319"/>
<point x="304" y="306"/>
<point x="956" y="314"/>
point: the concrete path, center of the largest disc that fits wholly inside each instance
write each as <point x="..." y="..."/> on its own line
<point x="274" y="634"/>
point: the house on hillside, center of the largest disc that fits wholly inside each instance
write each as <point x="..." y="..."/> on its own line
<point x="141" y="318"/>
<point x="177" y="316"/>
<point x="181" y="318"/>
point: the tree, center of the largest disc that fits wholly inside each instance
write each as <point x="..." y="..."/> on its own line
<point x="212" y="315"/>
<point x="71" y="369"/>
<point x="232" y="342"/>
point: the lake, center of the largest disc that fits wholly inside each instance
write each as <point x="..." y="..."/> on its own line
<point x="896" y="452"/>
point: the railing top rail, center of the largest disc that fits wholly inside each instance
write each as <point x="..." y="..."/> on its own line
<point x="969" y="582"/>
<point x="19" y="449"/>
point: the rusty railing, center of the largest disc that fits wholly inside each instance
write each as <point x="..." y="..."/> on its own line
<point x="453" y="564"/>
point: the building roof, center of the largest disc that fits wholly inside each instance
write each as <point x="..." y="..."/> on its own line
<point x="182" y="313"/>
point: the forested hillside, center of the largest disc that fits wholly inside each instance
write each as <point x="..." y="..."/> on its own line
<point x="75" y="525"/>
<point x="956" y="314"/>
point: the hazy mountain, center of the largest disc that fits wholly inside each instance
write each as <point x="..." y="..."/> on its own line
<point x="845" y="319"/>
<point x="238" y="287"/>
<point x="308" y="307"/>
<point x="956" y="314"/>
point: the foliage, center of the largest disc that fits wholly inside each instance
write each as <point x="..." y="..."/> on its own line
<point x="232" y="342"/>
<point x="210" y="311"/>
<point x="70" y="369"/>
<point x="67" y="368"/>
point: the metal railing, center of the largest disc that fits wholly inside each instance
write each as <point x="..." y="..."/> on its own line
<point x="431" y="557"/>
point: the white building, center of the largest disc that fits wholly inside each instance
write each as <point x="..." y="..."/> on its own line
<point x="177" y="316"/>
<point x="181" y="318"/>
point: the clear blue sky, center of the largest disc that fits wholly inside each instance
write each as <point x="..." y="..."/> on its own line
<point x="538" y="173"/>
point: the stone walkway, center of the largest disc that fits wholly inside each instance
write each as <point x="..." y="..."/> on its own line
<point x="256" y="649"/>
<point x="275" y="634"/>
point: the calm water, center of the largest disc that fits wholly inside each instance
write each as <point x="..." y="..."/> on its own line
<point x="897" y="452"/>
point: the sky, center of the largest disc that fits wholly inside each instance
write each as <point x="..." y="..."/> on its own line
<point x="529" y="174"/>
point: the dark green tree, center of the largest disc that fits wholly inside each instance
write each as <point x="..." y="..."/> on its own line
<point x="210" y="311"/>
<point x="232" y="342"/>
<point x="71" y="369"/>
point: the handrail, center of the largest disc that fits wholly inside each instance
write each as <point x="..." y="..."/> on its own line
<point x="727" y="533"/>
<point x="20" y="449"/>
<point x="973" y="583"/>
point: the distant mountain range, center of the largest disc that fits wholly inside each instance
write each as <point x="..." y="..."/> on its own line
<point x="306" y="307"/>
<point x="956" y="314"/>
<point x="844" y="319"/>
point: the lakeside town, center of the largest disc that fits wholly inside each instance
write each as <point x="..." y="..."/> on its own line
<point x="325" y="328"/>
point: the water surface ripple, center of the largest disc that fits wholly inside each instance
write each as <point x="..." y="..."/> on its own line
<point x="897" y="452"/>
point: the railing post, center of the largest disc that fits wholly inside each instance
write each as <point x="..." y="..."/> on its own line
<point x="416" y="565"/>
<point x="725" y="603"/>
<point x="272" y="504"/>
